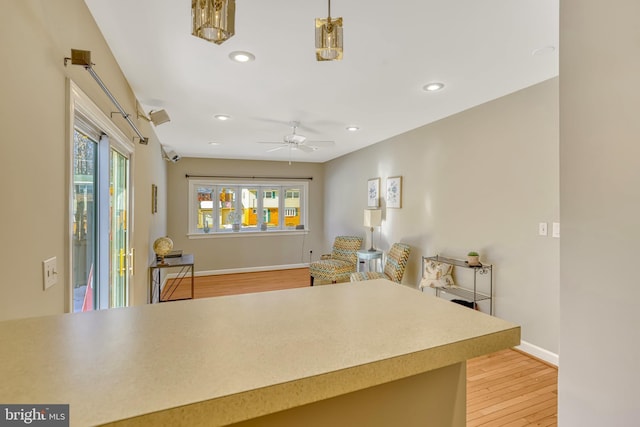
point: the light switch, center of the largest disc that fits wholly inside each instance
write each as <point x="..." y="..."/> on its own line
<point x="555" y="232"/>
<point x="49" y="272"/>
<point x="542" y="228"/>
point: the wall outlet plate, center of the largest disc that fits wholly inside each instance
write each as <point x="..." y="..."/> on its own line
<point x="542" y="229"/>
<point x="49" y="272"/>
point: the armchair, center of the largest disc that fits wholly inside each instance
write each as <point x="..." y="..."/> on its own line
<point x="393" y="268"/>
<point x="340" y="263"/>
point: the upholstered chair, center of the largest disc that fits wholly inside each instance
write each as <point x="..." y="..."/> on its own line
<point x="337" y="266"/>
<point x="394" y="267"/>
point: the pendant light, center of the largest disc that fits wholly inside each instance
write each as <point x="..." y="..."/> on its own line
<point x="329" y="38"/>
<point x="213" y="20"/>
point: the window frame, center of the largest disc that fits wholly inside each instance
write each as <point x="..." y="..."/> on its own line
<point x="263" y="186"/>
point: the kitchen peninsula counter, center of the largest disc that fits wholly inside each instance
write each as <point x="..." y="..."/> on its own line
<point x="354" y="351"/>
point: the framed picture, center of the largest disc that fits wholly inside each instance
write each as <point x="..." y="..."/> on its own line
<point x="394" y="192"/>
<point x="154" y="198"/>
<point x="373" y="193"/>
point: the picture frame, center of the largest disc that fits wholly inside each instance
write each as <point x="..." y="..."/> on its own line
<point x="154" y="198"/>
<point x="373" y="193"/>
<point x="394" y="192"/>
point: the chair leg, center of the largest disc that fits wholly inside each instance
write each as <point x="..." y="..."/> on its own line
<point x="311" y="279"/>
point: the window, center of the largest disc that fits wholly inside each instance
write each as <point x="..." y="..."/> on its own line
<point x="236" y="206"/>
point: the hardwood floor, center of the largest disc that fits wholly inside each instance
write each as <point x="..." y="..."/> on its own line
<point x="507" y="388"/>
<point x="241" y="283"/>
<point x="510" y="388"/>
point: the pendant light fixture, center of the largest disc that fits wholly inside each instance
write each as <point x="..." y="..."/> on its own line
<point x="329" y="38"/>
<point x="213" y="20"/>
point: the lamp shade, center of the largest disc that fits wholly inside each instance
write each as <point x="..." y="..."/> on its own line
<point x="213" y="20"/>
<point x="329" y="39"/>
<point x="372" y="217"/>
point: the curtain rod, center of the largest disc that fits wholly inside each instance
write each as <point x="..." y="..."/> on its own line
<point x="310" y="178"/>
<point x="83" y="58"/>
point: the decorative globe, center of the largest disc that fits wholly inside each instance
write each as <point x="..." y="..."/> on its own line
<point x="162" y="246"/>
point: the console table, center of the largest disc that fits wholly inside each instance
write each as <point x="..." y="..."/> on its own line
<point x="184" y="267"/>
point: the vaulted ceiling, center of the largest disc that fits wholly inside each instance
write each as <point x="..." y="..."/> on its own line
<point x="480" y="50"/>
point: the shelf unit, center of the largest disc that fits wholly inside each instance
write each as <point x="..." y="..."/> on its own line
<point x="471" y="295"/>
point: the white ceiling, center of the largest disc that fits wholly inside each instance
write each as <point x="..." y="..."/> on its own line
<point x="481" y="50"/>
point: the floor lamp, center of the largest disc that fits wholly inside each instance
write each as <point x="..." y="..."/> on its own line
<point x="372" y="218"/>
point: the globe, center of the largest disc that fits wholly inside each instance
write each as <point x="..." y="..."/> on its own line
<point x="162" y="246"/>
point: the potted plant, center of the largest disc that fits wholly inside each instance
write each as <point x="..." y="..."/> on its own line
<point x="473" y="259"/>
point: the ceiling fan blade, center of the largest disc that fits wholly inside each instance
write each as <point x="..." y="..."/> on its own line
<point x="277" y="148"/>
<point x="320" y="143"/>
<point x="305" y="148"/>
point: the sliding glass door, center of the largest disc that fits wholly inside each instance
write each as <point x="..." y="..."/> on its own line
<point x="101" y="258"/>
<point x="101" y="261"/>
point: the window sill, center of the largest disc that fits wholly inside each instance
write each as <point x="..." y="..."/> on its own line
<point x="256" y="233"/>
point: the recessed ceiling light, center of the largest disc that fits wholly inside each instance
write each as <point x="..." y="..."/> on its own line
<point x="240" y="56"/>
<point x="433" y="87"/>
<point x="215" y="143"/>
<point x="353" y="128"/>
<point x="222" y="117"/>
<point x="543" y="50"/>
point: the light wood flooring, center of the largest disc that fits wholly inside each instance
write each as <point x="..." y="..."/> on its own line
<point x="507" y="388"/>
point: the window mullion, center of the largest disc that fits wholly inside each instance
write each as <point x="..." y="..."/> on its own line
<point x="260" y="206"/>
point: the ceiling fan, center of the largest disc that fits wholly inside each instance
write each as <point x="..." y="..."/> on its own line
<point x="295" y="141"/>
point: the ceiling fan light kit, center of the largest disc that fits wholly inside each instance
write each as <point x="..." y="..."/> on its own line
<point x="329" y="41"/>
<point x="213" y="20"/>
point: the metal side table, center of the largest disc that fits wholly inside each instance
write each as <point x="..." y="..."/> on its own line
<point x="161" y="286"/>
<point x="371" y="256"/>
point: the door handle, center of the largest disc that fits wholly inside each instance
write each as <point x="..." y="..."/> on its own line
<point x="131" y="260"/>
<point x="121" y="262"/>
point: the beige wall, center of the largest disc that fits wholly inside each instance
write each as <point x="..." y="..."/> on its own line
<point x="35" y="36"/>
<point x="479" y="180"/>
<point x="599" y="380"/>
<point x="244" y="251"/>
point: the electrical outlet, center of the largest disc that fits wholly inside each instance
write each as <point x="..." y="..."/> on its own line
<point x="49" y="272"/>
<point x="542" y="228"/>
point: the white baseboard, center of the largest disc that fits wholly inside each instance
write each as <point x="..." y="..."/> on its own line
<point x="250" y="269"/>
<point x="539" y="352"/>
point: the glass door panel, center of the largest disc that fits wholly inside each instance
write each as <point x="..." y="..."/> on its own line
<point x="84" y="211"/>
<point x="119" y="235"/>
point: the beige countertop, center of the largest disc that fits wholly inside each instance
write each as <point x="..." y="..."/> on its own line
<point x="237" y="357"/>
